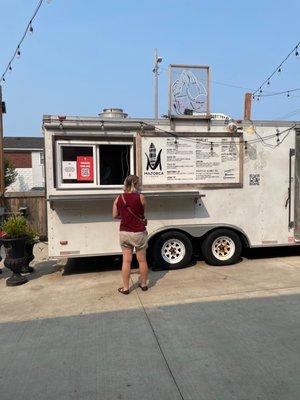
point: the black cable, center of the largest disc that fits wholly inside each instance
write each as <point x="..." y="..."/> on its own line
<point x="259" y="139"/>
<point x="277" y="69"/>
<point x="122" y="166"/>
<point x="287" y="92"/>
<point x="17" y="51"/>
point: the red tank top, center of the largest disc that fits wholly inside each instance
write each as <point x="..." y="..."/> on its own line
<point x="130" y="223"/>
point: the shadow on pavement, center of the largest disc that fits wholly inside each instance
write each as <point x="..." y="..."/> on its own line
<point x="85" y="265"/>
<point x="44" y="268"/>
<point x="112" y="263"/>
<point x="272" y="252"/>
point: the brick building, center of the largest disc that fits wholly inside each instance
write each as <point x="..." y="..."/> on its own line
<point x="27" y="155"/>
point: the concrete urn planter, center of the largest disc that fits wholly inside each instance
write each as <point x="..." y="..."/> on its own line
<point x="15" y="259"/>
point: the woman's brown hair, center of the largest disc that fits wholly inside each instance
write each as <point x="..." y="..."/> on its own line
<point x="131" y="183"/>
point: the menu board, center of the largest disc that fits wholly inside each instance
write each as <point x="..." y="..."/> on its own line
<point x="190" y="160"/>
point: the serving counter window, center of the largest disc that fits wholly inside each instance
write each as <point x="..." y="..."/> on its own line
<point x="93" y="165"/>
<point x="114" y="164"/>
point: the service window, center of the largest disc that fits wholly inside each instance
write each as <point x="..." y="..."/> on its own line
<point x="77" y="165"/>
<point x="114" y="163"/>
<point x="93" y="164"/>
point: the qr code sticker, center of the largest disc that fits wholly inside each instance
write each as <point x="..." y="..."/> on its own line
<point x="85" y="171"/>
<point x="254" y="179"/>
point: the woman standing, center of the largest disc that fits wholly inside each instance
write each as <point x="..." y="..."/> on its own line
<point x="130" y="208"/>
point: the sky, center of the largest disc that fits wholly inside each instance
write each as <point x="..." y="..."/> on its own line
<point x="86" y="55"/>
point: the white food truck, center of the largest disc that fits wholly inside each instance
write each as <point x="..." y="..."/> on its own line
<point x="212" y="185"/>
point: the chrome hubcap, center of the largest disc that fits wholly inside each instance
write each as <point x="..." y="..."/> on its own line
<point x="223" y="248"/>
<point x="173" y="251"/>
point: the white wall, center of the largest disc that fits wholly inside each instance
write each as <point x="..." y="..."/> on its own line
<point x="37" y="170"/>
<point x="28" y="178"/>
<point x="24" y="181"/>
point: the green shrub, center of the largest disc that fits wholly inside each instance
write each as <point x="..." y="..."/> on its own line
<point x="32" y="235"/>
<point x="15" y="227"/>
<point x="10" y="173"/>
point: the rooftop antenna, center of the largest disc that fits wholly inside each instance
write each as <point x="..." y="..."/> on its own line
<point x="157" y="61"/>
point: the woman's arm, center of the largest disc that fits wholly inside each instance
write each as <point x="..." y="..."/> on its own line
<point x="143" y="201"/>
<point x="115" y="212"/>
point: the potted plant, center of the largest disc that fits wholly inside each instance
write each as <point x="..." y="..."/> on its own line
<point x="13" y="238"/>
<point x="32" y="239"/>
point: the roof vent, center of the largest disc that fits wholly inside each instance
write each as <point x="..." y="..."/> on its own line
<point x="113" y="113"/>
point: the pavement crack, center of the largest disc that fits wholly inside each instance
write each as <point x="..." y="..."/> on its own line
<point x="158" y="343"/>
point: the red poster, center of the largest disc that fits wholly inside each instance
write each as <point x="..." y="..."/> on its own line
<point x="85" y="169"/>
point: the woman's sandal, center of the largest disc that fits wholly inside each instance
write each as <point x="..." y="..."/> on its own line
<point x="144" y="288"/>
<point x="123" y="291"/>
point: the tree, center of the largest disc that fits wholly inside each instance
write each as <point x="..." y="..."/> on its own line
<point x="10" y="173"/>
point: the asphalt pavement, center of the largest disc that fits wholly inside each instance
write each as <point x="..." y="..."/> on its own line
<point x="199" y="333"/>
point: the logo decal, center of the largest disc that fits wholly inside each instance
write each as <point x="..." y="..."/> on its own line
<point x="153" y="161"/>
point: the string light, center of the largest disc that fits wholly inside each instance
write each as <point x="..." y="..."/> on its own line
<point x="278" y="69"/>
<point x="213" y="143"/>
<point x="277" y="134"/>
<point x="285" y="92"/>
<point x="17" y="52"/>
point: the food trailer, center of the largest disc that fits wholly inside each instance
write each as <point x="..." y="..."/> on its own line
<point x="206" y="188"/>
<point x="212" y="185"/>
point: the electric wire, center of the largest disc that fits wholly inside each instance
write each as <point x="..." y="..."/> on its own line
<point x="290" y="114"/>
<point x="122" y="165"/>
<point x="219" y="83"/>
<point x="17" y="51"/>
<point x="127" y="161"/>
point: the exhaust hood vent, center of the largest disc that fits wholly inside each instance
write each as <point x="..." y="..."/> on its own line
<point x="113" y="113"/>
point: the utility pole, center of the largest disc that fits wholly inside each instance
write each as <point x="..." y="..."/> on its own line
<point x="157" y="60"/>
<point x="2" y="183"/>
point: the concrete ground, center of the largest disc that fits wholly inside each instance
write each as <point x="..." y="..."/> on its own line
<point x="211" y="333"/>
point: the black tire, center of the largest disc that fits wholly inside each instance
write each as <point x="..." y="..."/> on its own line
<point x="172" y="250"/>
<point x="221" y="253"/>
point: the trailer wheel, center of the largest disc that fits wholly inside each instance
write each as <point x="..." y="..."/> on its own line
<point x="172" y="250"/>
<point x="222" y="247"/>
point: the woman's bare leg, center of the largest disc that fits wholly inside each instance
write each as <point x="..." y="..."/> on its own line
<point x="126" y="266"/>
<point x="141" y="257"/>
